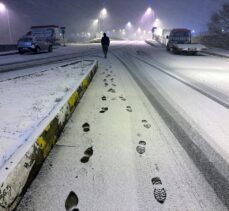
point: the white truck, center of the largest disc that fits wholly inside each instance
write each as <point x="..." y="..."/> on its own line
<point x="179" y="41"/>
<point x="52" y="33"/>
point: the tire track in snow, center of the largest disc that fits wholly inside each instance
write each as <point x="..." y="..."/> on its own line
<point x="179" y="127"/>
<point x="185" y="82"/>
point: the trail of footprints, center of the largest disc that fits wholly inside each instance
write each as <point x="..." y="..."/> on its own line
<point x="159" y="191"/>
<point x="72" y="200"/>
<point x="141" y="145"/>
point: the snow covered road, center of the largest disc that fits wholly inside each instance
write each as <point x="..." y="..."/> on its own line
<point x="141" y="139"/>
<point x="59" y="54"/>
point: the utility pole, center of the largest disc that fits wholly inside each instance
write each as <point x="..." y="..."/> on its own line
<point x="63" y="32"/>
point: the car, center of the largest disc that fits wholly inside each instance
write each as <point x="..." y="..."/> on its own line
<point x="34" y="44"/>
<point x="180" y="41"/>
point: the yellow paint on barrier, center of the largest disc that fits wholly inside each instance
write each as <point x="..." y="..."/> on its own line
<point x="47" y="128"/>
<point x="85" y="83"/>
<point x="43" y="146"/>
<point x="72" y="100"/>
<point x="41" y="143"/>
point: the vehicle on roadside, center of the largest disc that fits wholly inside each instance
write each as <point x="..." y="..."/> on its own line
<point x="33" y="43"/>
<point x="52" y="32"/>
<point x="165" y="33"/>
<point x="180" y="41"/>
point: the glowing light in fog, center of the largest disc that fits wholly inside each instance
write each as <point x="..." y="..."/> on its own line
<point x="148" y="11"/>
<point x="156" y="22"/>
<point x="2" y="7"/>
<point x="96" y="21"/>
<point x="103" y="13"/>
<point x="129" y="25"/>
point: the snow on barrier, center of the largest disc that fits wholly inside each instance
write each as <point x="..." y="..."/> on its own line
<point x="15" y="180"/>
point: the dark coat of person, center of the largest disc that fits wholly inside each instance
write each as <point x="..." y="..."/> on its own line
<point x="105" y="41"/>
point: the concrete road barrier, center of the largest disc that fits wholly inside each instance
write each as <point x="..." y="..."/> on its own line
<point x="16" y="176"/>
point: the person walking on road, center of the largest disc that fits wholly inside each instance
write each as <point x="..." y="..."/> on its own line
<point x="105" y="41"/>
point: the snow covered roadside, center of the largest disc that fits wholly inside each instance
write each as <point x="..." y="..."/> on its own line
<point x="6" y="53"/>
<point x="218" y="52"/>
<point x="28" y="107"/>
<point x="210" y="51"/>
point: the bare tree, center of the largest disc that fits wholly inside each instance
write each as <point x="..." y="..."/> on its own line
<point x="219" y="24"/>
<point x="218" y="29"/>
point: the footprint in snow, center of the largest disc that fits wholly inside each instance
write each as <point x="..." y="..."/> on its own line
<point x="104" y="98"/>
<point x="87" y="154"/>
<point x="103" y="109"/>
<point x="71" y="202"/>
<point x="159" y="192"/>
<point x="111" y="90"/>
<point x="86" y="127"/>
<point x="146" y="124"/>
<point x="128" y="108"/>
<point x="122" y="98"/>
<point x="141" y="147"/>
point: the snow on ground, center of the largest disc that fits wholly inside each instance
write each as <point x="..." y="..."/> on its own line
<point x="130" y="146"/>
<point x="220" y="51"/>
<point x="27" y="100"/>
<point x="212" y="119"/>
<point x="5" y="53"/>
<point x="206" y="71"/>
<point x="57" y="51"/>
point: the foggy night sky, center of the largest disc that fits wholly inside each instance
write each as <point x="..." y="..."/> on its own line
<point x="77" y="15"/>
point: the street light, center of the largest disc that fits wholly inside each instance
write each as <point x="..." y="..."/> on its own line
<point x="3" y="9"/>
<point x="102" y="15"/>
<point x="129" y="24"/>
<point x="148" y="11"/>
<point x="156" y="22"/>
<point x="96" y="21"/>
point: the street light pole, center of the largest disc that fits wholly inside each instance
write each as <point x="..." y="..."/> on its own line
<point x="99" y="26"/>
<point x="4" y="9"/>
<point x="9" y="26"/>
<point x="102" y="15"/>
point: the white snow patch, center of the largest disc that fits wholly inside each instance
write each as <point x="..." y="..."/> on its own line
<point x="27" y="100"/>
